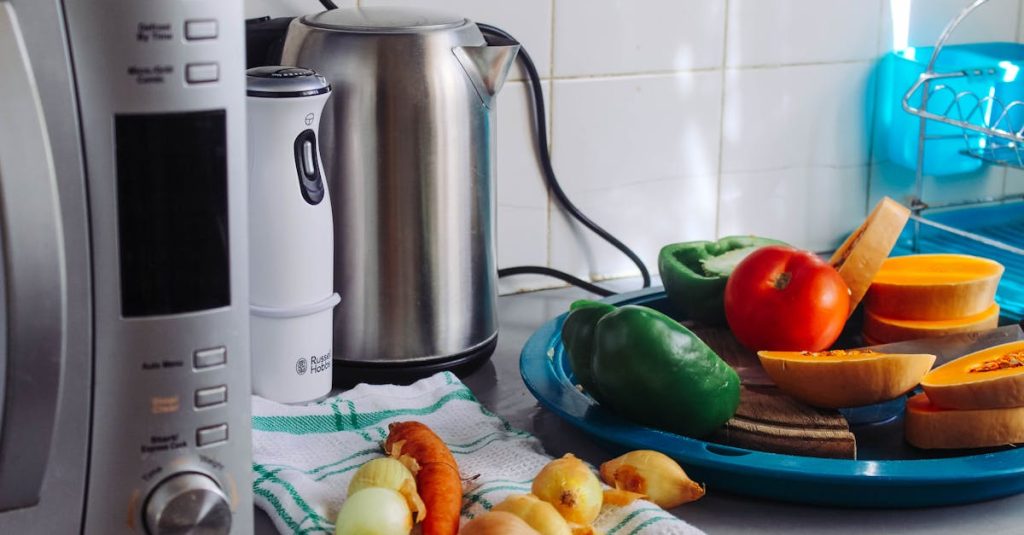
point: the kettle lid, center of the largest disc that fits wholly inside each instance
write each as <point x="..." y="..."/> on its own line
<point x="276" y="81"/>
<point x="383" y="20"/>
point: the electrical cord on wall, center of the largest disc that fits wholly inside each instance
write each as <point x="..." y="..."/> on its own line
<point x="550" y="178"/>
<point x="552" y="181"/>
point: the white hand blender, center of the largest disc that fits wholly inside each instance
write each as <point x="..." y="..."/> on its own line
<point x="291" y="237"/>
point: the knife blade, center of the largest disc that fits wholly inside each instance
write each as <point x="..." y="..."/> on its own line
<point x="954" y="346"/>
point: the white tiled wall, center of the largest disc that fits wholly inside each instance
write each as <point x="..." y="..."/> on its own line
<point x="692" y="119"/>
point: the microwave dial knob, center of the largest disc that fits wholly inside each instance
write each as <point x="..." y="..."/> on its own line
<point x="188" y="504"/>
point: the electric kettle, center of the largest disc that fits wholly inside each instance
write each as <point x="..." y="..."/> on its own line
<point x="291" y="236"/>
<point x="408" y="142"/>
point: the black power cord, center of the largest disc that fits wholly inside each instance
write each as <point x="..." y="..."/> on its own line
<point x="552" y="181"/>
<point x="552" y="272"/>
<point x="328" y="4"/>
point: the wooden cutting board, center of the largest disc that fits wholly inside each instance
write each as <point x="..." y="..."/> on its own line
<point x="768" y="419"/>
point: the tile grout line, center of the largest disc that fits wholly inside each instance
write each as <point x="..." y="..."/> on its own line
<point x="874" y="110"/>
<point x="1020" y="11"/>
<point x="550" y="118"/>
<point x="721" y="121"/>
<point x="766" y="66"/>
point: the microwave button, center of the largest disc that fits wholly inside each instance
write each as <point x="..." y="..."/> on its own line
<point x="201" y="73"/>
<point x="196" y="30"/>
<point x="208" y="397"/>
<point x="208" y="358"/>
<point x="214" y="434"/>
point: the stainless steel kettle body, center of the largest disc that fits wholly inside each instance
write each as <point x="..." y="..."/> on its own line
<point x="408" y="144"/>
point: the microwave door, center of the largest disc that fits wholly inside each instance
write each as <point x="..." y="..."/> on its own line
<point x="32" y="281"/>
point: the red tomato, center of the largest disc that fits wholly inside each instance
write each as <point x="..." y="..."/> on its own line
<point x="784" y="299"/>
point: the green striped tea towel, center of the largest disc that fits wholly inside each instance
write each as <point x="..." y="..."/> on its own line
<point x="304" y="456"/>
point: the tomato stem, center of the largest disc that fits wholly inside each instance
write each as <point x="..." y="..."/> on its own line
<point x="782" y="280"/>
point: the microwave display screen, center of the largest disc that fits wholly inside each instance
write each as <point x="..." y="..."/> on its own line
<point x="172" y="212"/>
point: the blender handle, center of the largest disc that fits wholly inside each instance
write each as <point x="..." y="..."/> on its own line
<point x="32" y="277"/>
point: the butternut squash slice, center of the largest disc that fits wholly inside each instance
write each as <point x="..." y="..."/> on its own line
<point x="933" y="287"/>
<point x="861" y="255"/>
<point x="928" y="426"/>
<point x="992" y="378"/>
<point x="844" y="378"/>
<point x="884" y="330"/>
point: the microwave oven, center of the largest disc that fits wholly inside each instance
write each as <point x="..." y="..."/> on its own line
<point x="124" y="341"/>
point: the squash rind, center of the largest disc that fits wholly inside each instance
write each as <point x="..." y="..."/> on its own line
<point x="885" y="330"/>
<point x="837" y="382"/>
<point x="863" y="253"/>
<point x="952" y="386"/>
<point x="928" y="426"/>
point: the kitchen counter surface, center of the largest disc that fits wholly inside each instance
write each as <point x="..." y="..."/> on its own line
<point x="497" y="385"/>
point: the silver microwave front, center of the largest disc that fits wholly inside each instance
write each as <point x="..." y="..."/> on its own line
<point x="124" y="356"/>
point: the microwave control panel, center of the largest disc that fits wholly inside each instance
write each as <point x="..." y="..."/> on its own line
<point x="161" y="90"/>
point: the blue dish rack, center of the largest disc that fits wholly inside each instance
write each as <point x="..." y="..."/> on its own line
<point x="991" y="231"/>
<point x="974" y="93"/>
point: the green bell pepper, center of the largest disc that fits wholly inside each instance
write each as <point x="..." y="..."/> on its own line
<point x="694" y="273"/>
<point x="578" y="338"/>
<point x="650" y="369"/>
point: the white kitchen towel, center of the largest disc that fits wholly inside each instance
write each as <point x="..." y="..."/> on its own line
<point x="305" y="456"/>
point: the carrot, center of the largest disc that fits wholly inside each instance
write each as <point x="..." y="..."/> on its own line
<point x="437" y="474"/>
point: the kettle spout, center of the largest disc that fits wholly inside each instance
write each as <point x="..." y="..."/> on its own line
<point x="487" y="67"/>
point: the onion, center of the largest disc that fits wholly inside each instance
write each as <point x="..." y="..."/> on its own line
<point x="388" y="473"/>
<point x="374" y="511"/>
<point x="498" y="523"/>
<point x="540" y="515"/>
<point x="570" y="486"/>
<point x="621" y="497"/>
<point x="654" y="474"/>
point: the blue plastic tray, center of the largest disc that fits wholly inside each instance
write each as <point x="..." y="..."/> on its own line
<point x="887" y="474"/>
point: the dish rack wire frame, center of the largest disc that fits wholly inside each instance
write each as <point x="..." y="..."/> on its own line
<point x="1000" y="142"/>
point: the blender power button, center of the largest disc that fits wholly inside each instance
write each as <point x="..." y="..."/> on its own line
<point x="308" y="163"/>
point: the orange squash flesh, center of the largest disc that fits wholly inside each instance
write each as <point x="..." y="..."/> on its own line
<point x="933" y="287"/>
<point x="885" y="330"/>
<point x="989" y="379"/>
<point x="844" y="378"/>
<point x="928" y="426"/>
<point x="862" y="254"/>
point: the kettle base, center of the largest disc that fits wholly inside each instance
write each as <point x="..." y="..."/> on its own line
<point x="350" y="373"/>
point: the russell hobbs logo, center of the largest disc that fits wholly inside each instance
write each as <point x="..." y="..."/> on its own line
<point x="320" y="364"/>
<point x="309" y="119"/>
<point x="317" y="364"/>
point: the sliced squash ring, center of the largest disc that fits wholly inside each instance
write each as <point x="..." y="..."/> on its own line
<point x="886" y="330"/>
<point x="844" y="378"/>
<point x="928" y="426"/>
<point x="992" y="378"/>
<point x="933" y="287"/>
